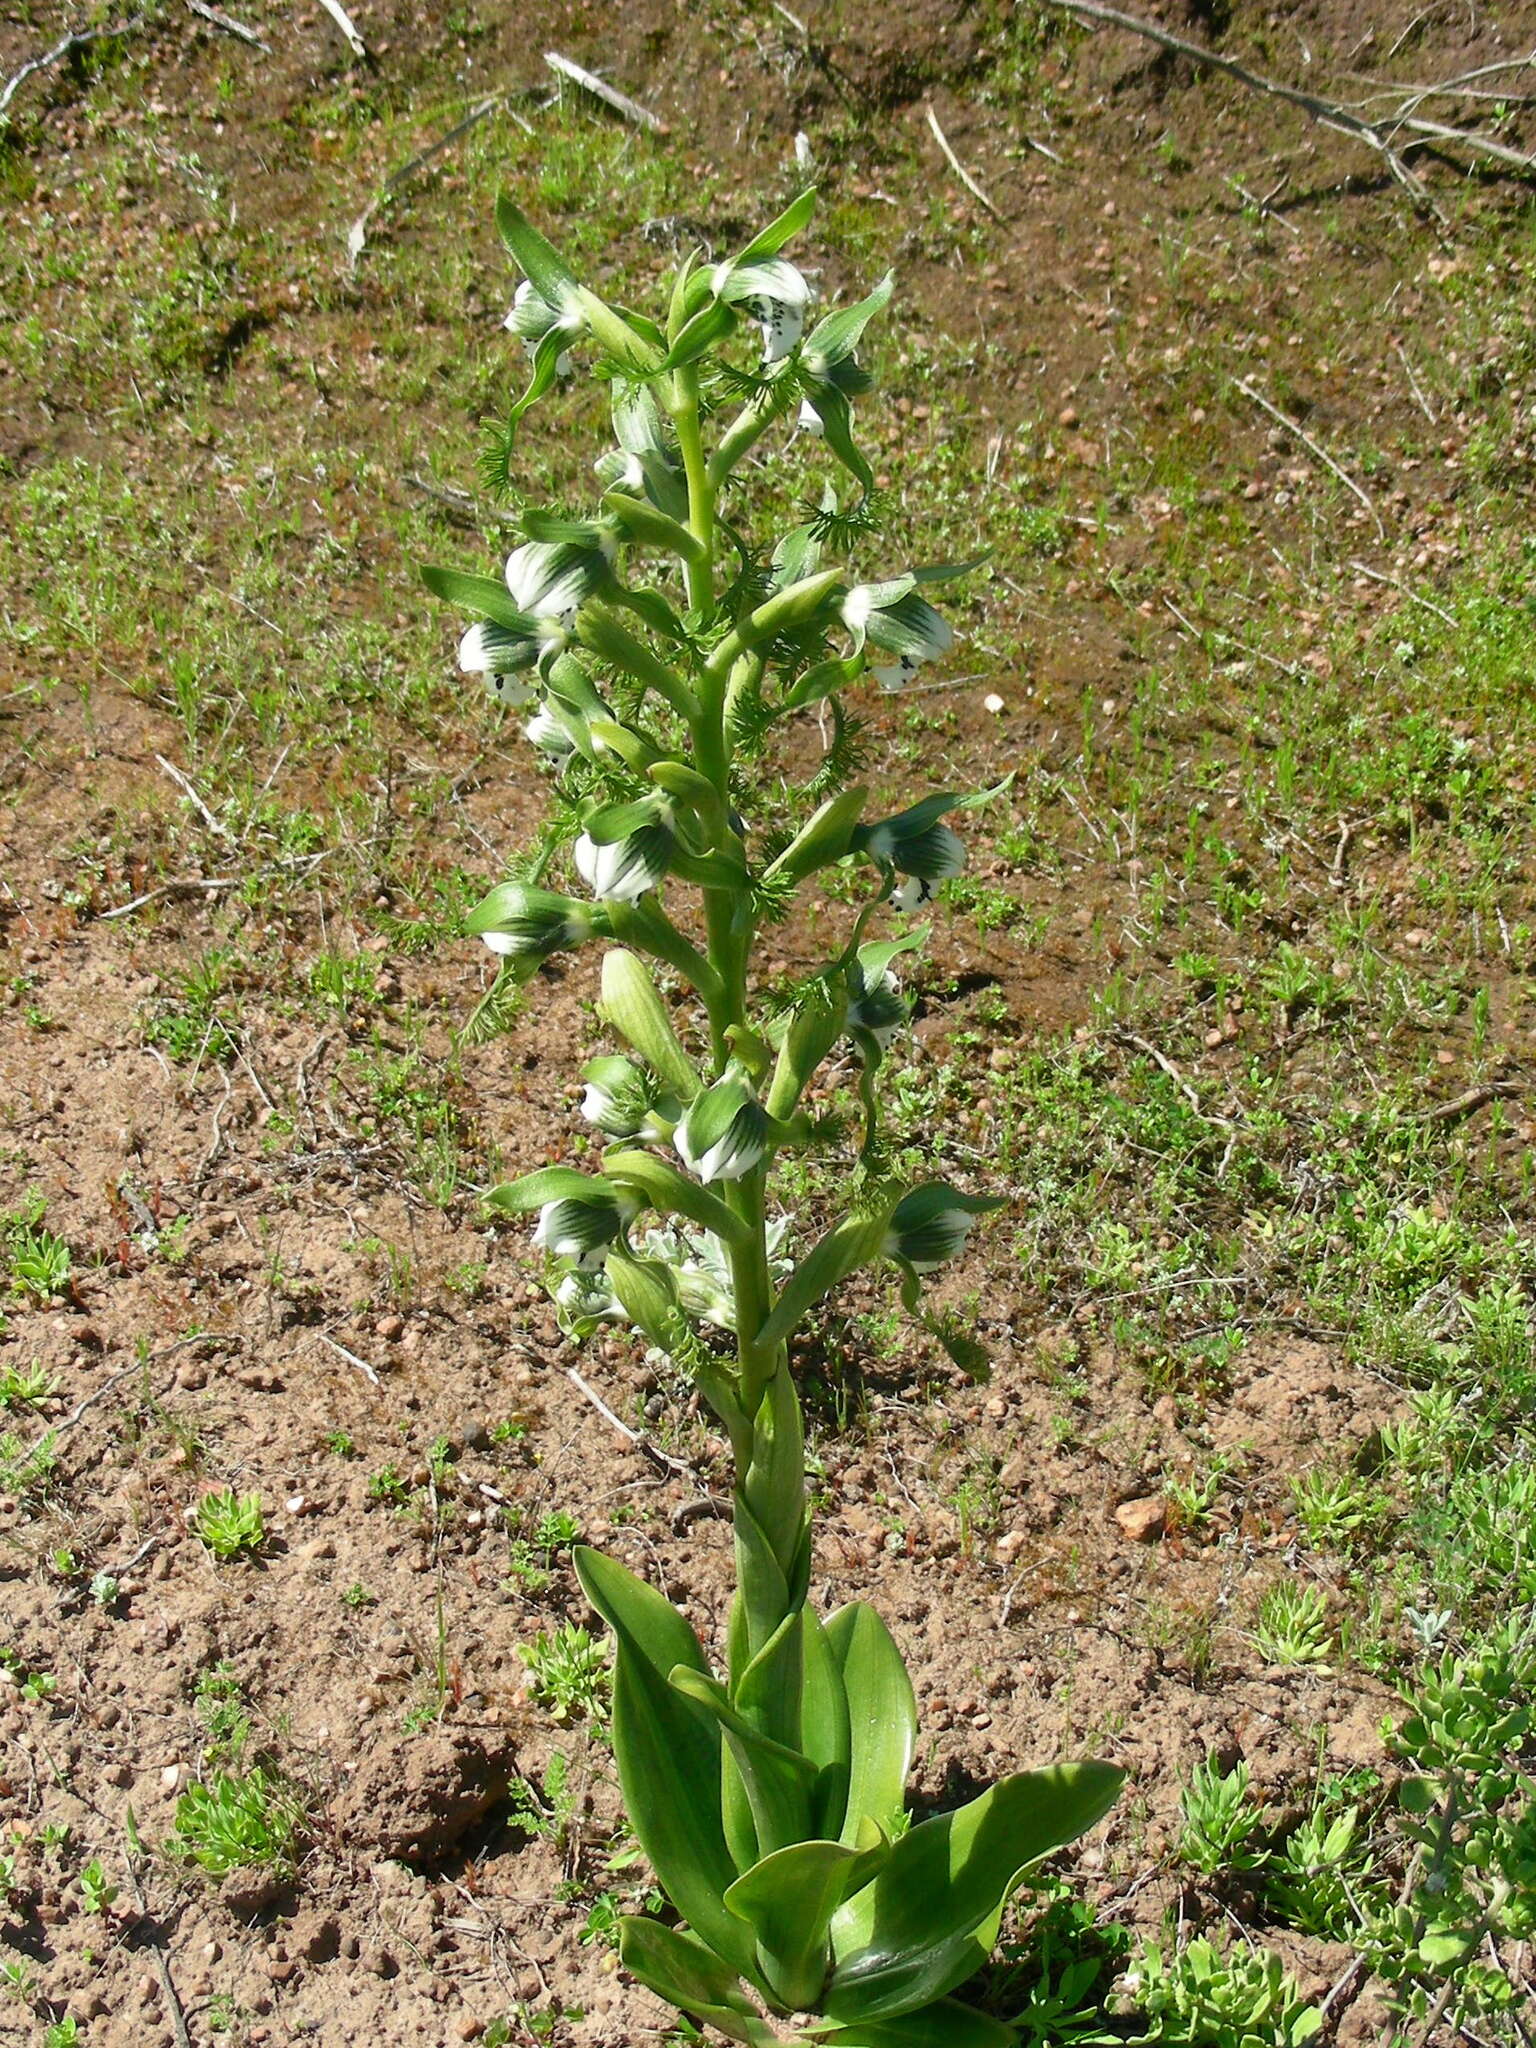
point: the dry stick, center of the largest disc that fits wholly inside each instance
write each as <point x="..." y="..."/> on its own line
<point x="352" y="1358"/>
<point x="1413" y="384"/>
<point x="229" y="25"/>
<point x="1397" y="583"/>
<point x="76" y="40"/>
<point x="643" y="1444"/>
<point x="959" y="169"/>
<point x="357" y="234"/>
<point x="629" y="109"/>
<point x="1306" y="440"/>
<point x="192" y="797"/>
<point x="162" y="1965"/>
<point x="1326" y="112"/>
<point x="1465" y="1103"/>
<point x="348" y="27"/>
<point x="1162" y="1061"/>
<point x="470" y="512"/>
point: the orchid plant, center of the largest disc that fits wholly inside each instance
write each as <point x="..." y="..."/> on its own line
<point x="767" y="1789"/>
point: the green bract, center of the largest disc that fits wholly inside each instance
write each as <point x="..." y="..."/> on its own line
<point x="764" y="1777"/>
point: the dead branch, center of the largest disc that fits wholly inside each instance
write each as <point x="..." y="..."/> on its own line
<point x="229" y="25"/>
<point x="357" y="234"/>
<point x="1378" y="135"/>
<point x="1307" y="442"/>
<point x="1464" y="1104"/>
<point x="348" y="27"/>
<point x="77" y="39"/>
<point x="341" y="1351"/>
<point x="600" y="89"/>
<point x="958" y="168"/>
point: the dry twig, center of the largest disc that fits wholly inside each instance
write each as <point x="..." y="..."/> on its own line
<point x="348" y="27"/>
<point x="77" y="39"/>
<point x="662" y="1460"/>
<point x="600" y="89"/>
<point x="959" y="169"/>
<point x="1380" y="136"/>
<point x="1292" y="427"/>
<point x="1464" y="1104"/>
<point x="357" y="234"/>
<point x="352" y="1358"/>
<point x="229" y="25"/>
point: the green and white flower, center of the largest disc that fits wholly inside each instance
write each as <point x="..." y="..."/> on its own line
<point x="550" y="580"/>
<point x="581" y="1228"/>
<point x="520" y="922"/>
<point x="930" y="1224"/>
<point x="619" y="1099"/>
<point x="624" y="870"/>
<point x="894" y="618"/>
<point x="842" y="379"/>
<point x="584" y="1298"/>
<point x="724" y="1132"/>
<point x="545" y="732"/>
<point x="771" y="292"/>
<point x="534" y="320"/>
<point x="918" y="847"/>
<point x="879" y="1010"/>
<point x="501" y="657"/>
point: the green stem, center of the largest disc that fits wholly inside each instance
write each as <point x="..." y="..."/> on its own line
<point x="770" y="1474"/>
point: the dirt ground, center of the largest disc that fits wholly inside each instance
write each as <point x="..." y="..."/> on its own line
<point x="257" y="1281"/>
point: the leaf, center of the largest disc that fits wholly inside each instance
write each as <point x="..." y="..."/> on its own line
<point x="788" y="1900"/>
<point x="668" y="1753"/>
<point x="825" y="1728"/>
<point x="549" y="1184"/>
<point x="663" y="1187"/>
<point x="845" y="1247"/>
<point x="710" y="324"/>
<point x="836" y="416"/>
<point x="539" y="261"/>
<point x="631" y="1004"/>
<point x="837" y="336"/>
<point x="882" y="1716"/>
<point x="822" y="839"/>
<point x="486" y="597"/>
<point x="946" y="2024"/>
<point x="778" y="1779"/>
<point x="644" y="523"/>
<point x="679" y="1968"/>
<point x="771" y="239"/>
<point x="931" y="1916"/>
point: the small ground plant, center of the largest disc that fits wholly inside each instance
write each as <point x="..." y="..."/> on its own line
<point x="768" y="1793"/>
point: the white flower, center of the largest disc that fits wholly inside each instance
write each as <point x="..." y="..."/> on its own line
<point x="545" y="732"/>
<point x="501" y="657"/>
<point x="917" y="845"/>
<point x="618" y="1099"/>
<point x="582" y="1227"/>
<point x="586" y="1297"/>
<point x="625" y="869"/>
<point x="552" y="579"/>
<point x="773" y="293"/>
<point x="892" y="617"/>
<point x="879" y="1011"/>
<point x="532" y="317"/>
<point x="914" y="892"/>
<point x="520" y="922"/>
<point x="724" y="1132"/>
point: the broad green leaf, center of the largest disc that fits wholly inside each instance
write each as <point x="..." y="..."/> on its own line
<point x="549" y="1184"/>
<point x="613" y="822"/>
<point x="825" y="1729"/>
<point x="839" y="334"/>
<point x="543" y="266"/>
<point x="789" y="1899"/>
<point x="836" y="416"/>
<point x="882" y="1716"/>
<point x="778" y="1780"/>
<point x="822" y="839"/>
<point x="668" y="1754"/>
<point x="931" y="1916"/>
<point x="762" y="1589"/>
<point x="845" y="1247"/>
<point x="769" y="1691"/>
<point x="631" y="1004"/>
<point x="487" y="597"/>
<point x="771" y="239"/>
<point x="947" y="2024"/>
<point x="680" y="1969"/>
<point x="643" y="522"/>
<point x="663" y="1187"/>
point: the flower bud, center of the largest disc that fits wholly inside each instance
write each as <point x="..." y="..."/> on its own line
<point x="521" y="922"/>
<point x="724" y="1132"/>
<point x="930" y="1224"/>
